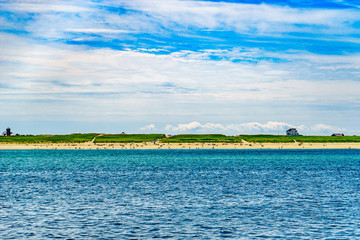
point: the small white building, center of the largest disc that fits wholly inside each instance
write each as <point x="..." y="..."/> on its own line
<point x="292" y="132"/>
<point x="337" y="135"/>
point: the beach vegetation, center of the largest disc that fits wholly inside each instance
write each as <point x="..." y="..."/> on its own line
<point x="128" y="138"/>
<point x="304" y="139"/>
<point x="70" y="138"/>
<point x="181" y="138"/>
<point x="201" y="138"/>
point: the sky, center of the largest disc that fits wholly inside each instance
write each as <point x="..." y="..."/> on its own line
<point x="155" y="66"/>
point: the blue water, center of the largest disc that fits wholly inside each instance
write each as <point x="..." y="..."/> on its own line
<point x="179" y="194"/>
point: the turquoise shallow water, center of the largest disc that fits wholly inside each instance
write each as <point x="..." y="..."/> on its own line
<point x="179" y="194"/>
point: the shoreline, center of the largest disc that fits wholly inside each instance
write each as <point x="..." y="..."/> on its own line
<point x="89" y="145"/>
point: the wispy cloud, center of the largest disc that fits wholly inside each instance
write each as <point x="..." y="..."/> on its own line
<point x="43" y="6"/>
<point x="261" y="19"/>
<point x="328" y="129"/>
<point x="170" y="61"/>
<point x="177" y="78"/>
<point x="187" y="18"/>
<point x="96" y="30"/>
<point x="118" y="70"/>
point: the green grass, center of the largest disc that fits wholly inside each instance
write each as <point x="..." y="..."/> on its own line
<point x="183" y="138"/>
<point x="201" y="138"/>
<point x="71" y="138"/>
<point x="114" y="138"/>
<point x="307" y="139"/>
<point x="267" y="138"/>
<point x="327" y="139"/>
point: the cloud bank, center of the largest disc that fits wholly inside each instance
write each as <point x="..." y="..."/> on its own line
<point x="251" y="128"/>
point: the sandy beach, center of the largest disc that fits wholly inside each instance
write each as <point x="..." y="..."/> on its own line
<point x="151" y="145"/>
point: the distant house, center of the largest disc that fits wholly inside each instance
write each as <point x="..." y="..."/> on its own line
<point x="8" y="132"/>
<point x="337" y="135"/>
<point x="292" y="132"/>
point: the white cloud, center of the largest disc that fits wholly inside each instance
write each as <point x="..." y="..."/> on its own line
<point x="323" y="128"/>
<point x="149" y="127"/>
<point x="270" y="127"/>
<point x="160" y="88"/>
<point x="163" y="17"/>
<point x="237" y="128"/>
<point x="94" y="30"/>
<point x="245" y="18"/>
<point x="193" y="126"/>
<point x="246" y="84"/>
<point x="60" y="68"/>
<point x="43" y="6"/>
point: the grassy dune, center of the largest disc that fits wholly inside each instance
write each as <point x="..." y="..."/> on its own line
<point x="182" y="138"/>
<point x="115" y="138"/>
<point x="192" y="138"/>
<point x="71" y="138"/>
<point x="289" y="139"/>
<point x="327" y="139"/>
<point x="266" y="138"/>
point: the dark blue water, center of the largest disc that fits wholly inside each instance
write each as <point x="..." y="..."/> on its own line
<point x="179" y="194"/>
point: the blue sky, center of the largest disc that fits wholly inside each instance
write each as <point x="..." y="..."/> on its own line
<point x="176" y="66"/>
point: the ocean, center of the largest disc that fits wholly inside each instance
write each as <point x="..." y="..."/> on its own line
<point x="180" y="194"/>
